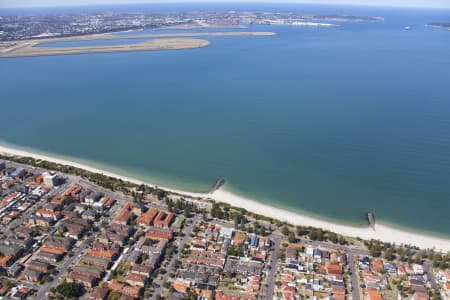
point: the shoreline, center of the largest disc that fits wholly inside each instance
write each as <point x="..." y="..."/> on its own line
<point x="382" y="232"/>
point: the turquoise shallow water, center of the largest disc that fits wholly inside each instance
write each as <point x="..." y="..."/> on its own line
<point x="328" y="121"/>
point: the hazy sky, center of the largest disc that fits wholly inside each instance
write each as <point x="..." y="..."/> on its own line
<point x="37" y="3"/>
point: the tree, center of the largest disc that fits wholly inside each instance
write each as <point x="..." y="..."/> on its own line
<point x="291" y="237"/>
<point x="389" y="254"/>
<point x="70" y="289"/>
<point x="242" y="226"/>
<point x="191" y="294"/>
<point x="141" y="188"/>
<point x="35" y="231"/>
<point x="216" y="211"/>
<point x="187" y="212"/>
<point x="301" y="231"/>
<point x="312" y="234"/>
<point x="436" y="295"/>
<point x="170" y="205"/>
<point x="320" y="235"/>
<point x="285" y="231"/>
<point x="113" y="295"/>
<point x="236" y="221"/>
<point x="235" y="251"/>
<point x="161" y="194"/>
<point x="332" y="237"/>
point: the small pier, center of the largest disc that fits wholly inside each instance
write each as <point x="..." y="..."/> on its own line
<point x="371" y="219"/>
<point x="218" y="184"/>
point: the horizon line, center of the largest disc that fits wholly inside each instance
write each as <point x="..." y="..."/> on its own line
<point x="228" y="2"/>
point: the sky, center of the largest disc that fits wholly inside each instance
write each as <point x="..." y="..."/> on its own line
<point x="50" y="3"/>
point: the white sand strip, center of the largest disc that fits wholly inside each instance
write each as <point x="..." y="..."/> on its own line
<point x="382" y="232"/>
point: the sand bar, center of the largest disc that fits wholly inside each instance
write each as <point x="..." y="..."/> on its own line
<point x="168" y="41"/>
<point x="381" y="232"/>
<point x="151" y="45"/>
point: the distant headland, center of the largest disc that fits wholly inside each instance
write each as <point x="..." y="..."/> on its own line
<point x="443" y="25"/>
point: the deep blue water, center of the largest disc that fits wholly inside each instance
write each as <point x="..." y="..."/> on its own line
<point x="329" y="121"/>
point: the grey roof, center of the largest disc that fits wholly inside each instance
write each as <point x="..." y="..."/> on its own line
<point x="38" y="263"/>
<point x="18" y="171"/>
<point x="90" y="213"/>
<point x="10" y="249"/>
<point x="15" y="268"/>
<point x="48" y="255"/>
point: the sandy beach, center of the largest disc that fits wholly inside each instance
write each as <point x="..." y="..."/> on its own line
<point x="381" y="232"/>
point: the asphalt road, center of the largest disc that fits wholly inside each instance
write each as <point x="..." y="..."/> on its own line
<point x="354" y="278"/>
<point x="428" y="269"/>
<point x="267" y="293"/>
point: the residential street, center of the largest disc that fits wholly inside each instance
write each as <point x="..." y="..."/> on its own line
<point x="354" y="278"/>
<point x="158" y="283"/>
<point x="428" y="268"/>
<point x="267" y="293"/>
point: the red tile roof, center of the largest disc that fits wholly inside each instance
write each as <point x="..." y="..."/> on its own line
<point x="147" y="218"/>
<point x="334" y="269"/>
<point x="5" y="261"/>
